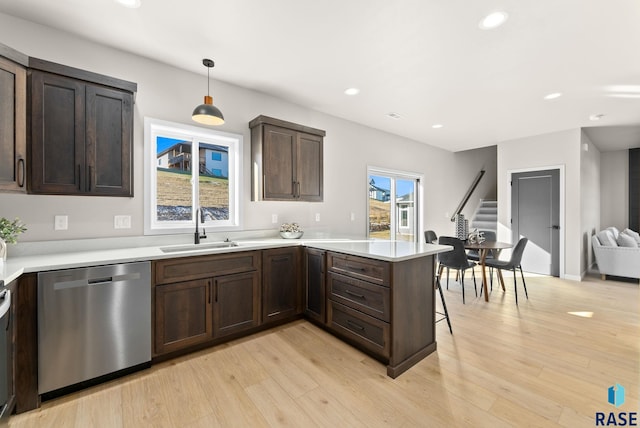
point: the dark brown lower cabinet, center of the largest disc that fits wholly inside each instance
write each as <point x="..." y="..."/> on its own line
<point x="281" y="293"/>
<point x="314" y="285"/>
<point x="384" y="308"/>
<point x="182" y="315"/>
<point x="236" y="304"/>
<point x="201" y="299"/>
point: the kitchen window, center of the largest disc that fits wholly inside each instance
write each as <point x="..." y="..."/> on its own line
<point x="393" y="204"/>
<point x="189" y="168"/>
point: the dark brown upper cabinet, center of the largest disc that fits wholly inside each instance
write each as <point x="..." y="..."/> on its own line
<point x="286" y="161"/>
<point x="81" y="132"/>
<point x="13" y="122"/>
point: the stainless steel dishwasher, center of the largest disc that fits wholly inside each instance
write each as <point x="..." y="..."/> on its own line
<point x="92" y="322"/>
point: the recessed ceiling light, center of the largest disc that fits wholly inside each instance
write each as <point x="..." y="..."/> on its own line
<point x="352" y="91"/>
<point x="596" y="116"/>
<point x="437" y="126"/>
<point x="553" y="96"/>
<point x="493" y="20"/>
<point x="393" y="115"/>
<point x="133" y="4"/>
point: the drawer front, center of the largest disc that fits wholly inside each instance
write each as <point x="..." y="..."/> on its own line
<point x="366" y="297"/>
<point x="375" y="271"/>
<point x="369" y="332"/>
<point x="189" y="268"/>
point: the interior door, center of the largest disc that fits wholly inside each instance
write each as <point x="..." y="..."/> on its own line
<point x="535" y="214"/>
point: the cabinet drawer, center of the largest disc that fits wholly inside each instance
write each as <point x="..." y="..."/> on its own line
<point x="375" y="271"/>
<point x="369" y="332"/>
<point x="188" y="268"/>
<point x="366" y="297"/>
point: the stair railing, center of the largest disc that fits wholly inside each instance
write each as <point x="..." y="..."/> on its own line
<point x="467" y="195"/>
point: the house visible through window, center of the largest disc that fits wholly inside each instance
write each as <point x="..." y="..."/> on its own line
<point x="195" y="168"/>
<point x="393" y="205"/>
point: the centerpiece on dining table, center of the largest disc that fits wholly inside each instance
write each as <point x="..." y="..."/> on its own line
<point x="476" y="237"/>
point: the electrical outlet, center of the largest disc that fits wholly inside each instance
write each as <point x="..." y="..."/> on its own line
<point x="317" y="216"/>
<point x="61" y="222"/>
<point x="353" y="216"/>
<point x="122" y="222"/>
<point x="274" y="218"/>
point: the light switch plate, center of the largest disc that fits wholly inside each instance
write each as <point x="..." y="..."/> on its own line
<point x="317" y="216"/>
<point x="274" y="218"/>
<point x="61" y="222"/>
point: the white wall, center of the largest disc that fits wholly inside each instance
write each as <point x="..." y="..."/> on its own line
<point x="168" y="93"/>
<point x="614" y="185"/>
<point x="541" y="152"/>
<point x="590" y="197"/>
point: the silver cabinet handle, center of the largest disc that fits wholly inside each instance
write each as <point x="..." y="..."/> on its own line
<point x="6" y="303"/>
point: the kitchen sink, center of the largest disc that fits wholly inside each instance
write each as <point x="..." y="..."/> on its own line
<point x="198" y="247"/>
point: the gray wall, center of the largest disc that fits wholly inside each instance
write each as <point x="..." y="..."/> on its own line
<point x="168" y="93"/>
<point x="558" y="150"/>
<point x="614" y="185"/>
<point x="590" y="191"/>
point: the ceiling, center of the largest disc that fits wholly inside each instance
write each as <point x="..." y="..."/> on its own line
<point x="424" y="60"/>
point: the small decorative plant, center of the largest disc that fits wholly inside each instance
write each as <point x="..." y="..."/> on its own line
<point x="291" y="231"/>
<point x="290" y="227"/>
<point x="9" y="230"/>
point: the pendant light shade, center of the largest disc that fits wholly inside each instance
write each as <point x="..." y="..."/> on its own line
<point x="207" y="113"/>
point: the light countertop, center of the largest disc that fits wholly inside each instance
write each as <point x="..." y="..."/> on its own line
<point x="392" y="251"/>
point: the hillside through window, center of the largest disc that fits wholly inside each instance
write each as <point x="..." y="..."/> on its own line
<point x="393" y="205"/>
<point x="195" y="168"/>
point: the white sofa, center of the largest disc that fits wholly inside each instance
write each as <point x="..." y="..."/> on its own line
<point x="614" y="259"/>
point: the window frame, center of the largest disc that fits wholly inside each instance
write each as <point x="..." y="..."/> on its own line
<point x="195" y="134"/>
<point x="418" y="202"/>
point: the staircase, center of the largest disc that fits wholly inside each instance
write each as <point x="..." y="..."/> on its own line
<point x="486" y="216"/>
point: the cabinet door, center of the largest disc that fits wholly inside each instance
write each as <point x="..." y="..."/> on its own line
<point x="13" y="122"/>
<point x="309" y="168"/>
<point x="57" y="134"/>
<point x="315" y="294"/>
<point x="236" y="303"/>
<point x="279" y="148"/>
<point x="109" y="130"/>
<point x="182" y="315"/>
<point x="280" y="284"/>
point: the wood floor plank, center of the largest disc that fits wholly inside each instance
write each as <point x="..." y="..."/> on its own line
<point x="144" y="404"/>
<point x="277" y="407"/>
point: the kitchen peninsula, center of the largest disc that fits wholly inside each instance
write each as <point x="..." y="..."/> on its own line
<point x="376" y="295"/>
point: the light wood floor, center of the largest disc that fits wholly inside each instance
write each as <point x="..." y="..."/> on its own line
<point x="532" y="365"/>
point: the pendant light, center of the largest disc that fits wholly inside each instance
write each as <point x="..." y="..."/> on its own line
<point x="207" y="113"/>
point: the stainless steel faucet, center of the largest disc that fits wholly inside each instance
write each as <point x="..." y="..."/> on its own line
<point x="196" y="236"/>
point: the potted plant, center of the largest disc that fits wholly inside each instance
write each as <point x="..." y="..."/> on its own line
<point x="291" y="231"/>
<point x="9" y="231"/>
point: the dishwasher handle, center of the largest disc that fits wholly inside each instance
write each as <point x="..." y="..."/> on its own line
<point x="93" y="281"/>
<point x="61" y="285"/>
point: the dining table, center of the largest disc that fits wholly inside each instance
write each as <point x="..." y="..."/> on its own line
<point x="483" y="249"/>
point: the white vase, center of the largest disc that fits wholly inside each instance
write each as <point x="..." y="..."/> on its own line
<point x="3" y="250"/>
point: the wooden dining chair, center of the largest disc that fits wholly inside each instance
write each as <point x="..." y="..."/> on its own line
<point x="512" y="264"/>
<point x="456" y="259"/>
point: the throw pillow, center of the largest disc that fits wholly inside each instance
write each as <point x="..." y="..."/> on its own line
<point x="606" y="238"/>
<point x="625" y="240"/>
<point x="634" y="235"/>
<point x="614" y="230"/>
